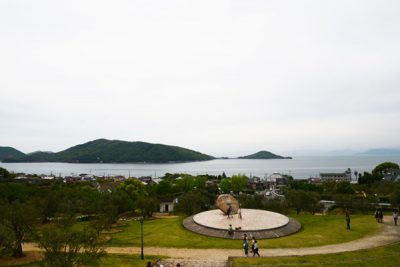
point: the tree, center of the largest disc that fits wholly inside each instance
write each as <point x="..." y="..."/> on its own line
<point x="225" y="185"/>
<point x="164" y="188"/>
<point x="302" y="200"/>
<point x="381" y="169"/>
<point x="186" y="183"/>
<point x="238" y="183"/>
<point x="191" y="202"/>
<point x="17" y="220"/>
<point x="368" y="179"/>
<point x="4" y="175"/>
<point x="344" y="187"/>
<point x="66" y="245"/>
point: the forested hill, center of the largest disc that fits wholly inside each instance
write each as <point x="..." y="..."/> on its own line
<point x="9" y="152"/>
<point x="264" y="155"/>
<point x="116" y="151"/>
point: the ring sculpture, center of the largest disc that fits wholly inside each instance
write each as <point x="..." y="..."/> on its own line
<point x="225" y="201"/>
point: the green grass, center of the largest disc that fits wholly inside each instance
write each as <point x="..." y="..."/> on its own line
<point x="316" y="231"/>
<point x="126" y="260"/>
<point x="114" y="260"/>
<point x="383" y="256"/>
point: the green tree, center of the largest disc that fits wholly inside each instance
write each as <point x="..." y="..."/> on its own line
<point x="17" y="221"/>
<point x="369" y="179"/>
<point x="225" y="185"/>
<point x="302" y="200"/>
<point x="186" y="183"/>
<point x="66" y="245"/>
<point x="164" y="188"/>
<point x="344" y="187"/>
<point x="238" y="183"/>
<point x="383" y="168"/>
<point x="4" y="175"/>
<point x="192" y="202"/>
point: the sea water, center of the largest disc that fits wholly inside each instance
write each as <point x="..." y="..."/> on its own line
<point x="299" y="167"/>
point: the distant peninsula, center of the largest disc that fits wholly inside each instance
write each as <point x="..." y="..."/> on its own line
<point x="113" y="151"/>
<point x="264" y="155"/>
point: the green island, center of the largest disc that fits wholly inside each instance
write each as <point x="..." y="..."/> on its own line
<point x="264" y="155"/>
<point x="111" y="151"/>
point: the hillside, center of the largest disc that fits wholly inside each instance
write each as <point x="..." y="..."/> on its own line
<point x="116" y="151"/>
<point x="264" y="155"/>
<point x="9" y="152"/>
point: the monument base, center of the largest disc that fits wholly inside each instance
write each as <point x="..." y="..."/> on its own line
<point x="258" y="223"/>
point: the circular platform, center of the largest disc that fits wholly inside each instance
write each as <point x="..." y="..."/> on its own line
<point x="252" y="220"/>
<point x="258" y="223"/>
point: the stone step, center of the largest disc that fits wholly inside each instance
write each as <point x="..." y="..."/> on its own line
<point x="191" y="263"/>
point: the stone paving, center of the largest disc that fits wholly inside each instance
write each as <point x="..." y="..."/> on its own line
<point x="291" y="227"/>
<point x="250" y="220"/>
<point x="192" y="263"/>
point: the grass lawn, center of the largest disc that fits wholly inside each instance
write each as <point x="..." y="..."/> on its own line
<point x="383" y="256"/>
<point x="112" y="260"/>
<point x="316" y="230"/>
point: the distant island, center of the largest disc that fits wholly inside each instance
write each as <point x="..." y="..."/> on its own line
<point x="110" y="151"/>
<point x="7" y="152"/>
<point x="264" y="155"/>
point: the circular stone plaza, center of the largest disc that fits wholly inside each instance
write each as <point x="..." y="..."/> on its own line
<point x="258" y="223"/>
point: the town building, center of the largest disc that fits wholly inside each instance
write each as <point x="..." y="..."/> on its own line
<point x="167" y="204"/>
<point x="337" y="177"/>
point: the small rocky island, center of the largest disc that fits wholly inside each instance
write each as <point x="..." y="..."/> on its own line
<point x="264" y="155"/>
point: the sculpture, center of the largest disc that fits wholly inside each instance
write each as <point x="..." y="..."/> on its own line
<point x="225" y="201"/>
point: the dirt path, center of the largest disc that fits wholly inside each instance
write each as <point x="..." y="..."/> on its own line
<point x="389" y="235"/>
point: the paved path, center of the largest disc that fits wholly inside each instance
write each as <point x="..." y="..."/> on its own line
<point x="389" y="235"/>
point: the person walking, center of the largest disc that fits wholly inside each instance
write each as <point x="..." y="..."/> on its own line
<point x="245" y="245"/>
<point x="395" y="217"/>
<point x="255" y="248"/>
<point x="347" y="221"/>
<point x="253" y="240"/>
<point x="380" y="216"/>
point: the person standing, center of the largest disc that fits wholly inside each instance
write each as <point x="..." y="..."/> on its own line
<point x="380" y="216"/>
<point x="230" y="230"/>
<point x="245" y="245"/>
<point x="229" y="211"/>
<point x="347" y="221"/>
<point x="395" y="217"/>
<point x="255" y="248"/>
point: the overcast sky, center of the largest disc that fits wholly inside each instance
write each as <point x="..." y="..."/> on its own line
<point x="226" y="78"/>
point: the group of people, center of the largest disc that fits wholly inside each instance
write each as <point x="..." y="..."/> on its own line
<point x="379" y="216"/>
<point x="254" y="246"/>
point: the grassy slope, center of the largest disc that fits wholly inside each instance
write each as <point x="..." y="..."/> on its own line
<point x="317" y="231"/>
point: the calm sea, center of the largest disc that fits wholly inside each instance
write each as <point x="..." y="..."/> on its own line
<point x="298" y="167"/>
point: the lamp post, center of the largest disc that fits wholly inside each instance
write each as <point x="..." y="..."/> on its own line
<point x="141" y="235"/>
